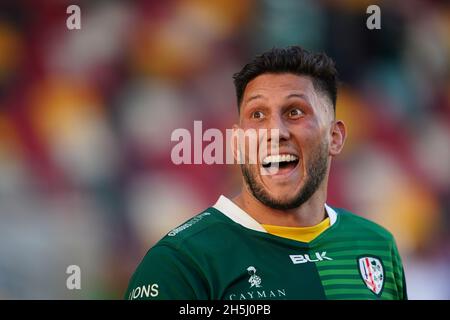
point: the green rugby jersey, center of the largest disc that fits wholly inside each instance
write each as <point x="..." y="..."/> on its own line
<point x="223" y="253"/>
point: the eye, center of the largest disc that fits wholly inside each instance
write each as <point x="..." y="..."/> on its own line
<point x="295" y="113"/>
<point x="257" y="115"/>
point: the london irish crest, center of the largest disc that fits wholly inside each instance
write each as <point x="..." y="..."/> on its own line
<point x="372" y="272"/>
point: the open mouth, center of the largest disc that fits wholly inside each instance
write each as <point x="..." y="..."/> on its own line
<point x="280" y="164"/>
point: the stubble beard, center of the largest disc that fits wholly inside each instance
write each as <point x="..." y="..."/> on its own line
<point x="316" y="172"/>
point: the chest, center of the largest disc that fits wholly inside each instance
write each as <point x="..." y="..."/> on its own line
<point x="302" y="273"/>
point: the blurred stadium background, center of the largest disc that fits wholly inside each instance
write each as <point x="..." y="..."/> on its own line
<point x="86" y="117"/>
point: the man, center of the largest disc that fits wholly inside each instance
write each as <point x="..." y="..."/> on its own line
<point x="278" y="239"/>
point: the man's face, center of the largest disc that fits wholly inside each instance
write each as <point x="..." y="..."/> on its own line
<point x="304" y="118"/>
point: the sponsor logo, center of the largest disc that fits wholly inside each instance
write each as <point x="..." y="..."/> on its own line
<point x="305" y="258"/>
<point x="257" y="292"/>
<point x="259" y="295"/>
<point x="255" y="281"/>
<point x="372" y="273"/>
<point x="188" y="224"/>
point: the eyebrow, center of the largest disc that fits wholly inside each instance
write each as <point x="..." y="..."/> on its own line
<point x="256" y="96"/>
<point x="298" y="95"/>
<point x="292" y="95"/>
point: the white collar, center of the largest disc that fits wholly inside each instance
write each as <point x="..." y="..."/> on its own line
<point x="235" y="213"/>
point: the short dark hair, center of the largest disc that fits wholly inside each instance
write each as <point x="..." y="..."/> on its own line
<point x="295" y="60"/>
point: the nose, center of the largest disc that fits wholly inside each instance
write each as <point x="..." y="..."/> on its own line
<point x="278" y="124"/>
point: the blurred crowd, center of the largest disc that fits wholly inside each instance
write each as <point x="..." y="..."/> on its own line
<point x="86" y="118"/>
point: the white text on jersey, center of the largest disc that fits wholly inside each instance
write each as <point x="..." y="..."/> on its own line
<point x="304" y="258"/>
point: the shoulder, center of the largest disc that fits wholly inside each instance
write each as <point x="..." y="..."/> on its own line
<point x="179" y="252"/>
<point x="202" y="228"/>
<point x="172" y="260"/>
<point x="352" y="222"/>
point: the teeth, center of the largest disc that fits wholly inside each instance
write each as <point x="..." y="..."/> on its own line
<point x="279" y="158"/>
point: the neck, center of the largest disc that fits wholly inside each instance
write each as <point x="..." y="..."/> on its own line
<point x="310" y="213"/>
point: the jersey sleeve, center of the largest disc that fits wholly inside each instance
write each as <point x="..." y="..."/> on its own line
<point x="399" y="273"/>
<point x="166" y="273"/>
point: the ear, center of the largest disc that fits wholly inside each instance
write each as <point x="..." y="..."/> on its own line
<point x="338" y="134"/>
